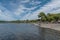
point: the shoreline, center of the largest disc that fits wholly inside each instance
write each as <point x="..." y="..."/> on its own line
<point x="49" y="25"/>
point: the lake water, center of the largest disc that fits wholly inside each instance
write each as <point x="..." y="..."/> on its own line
<point x="15" y="31"/>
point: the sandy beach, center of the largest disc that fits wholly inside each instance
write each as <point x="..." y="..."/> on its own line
<point x="49" y="25"/>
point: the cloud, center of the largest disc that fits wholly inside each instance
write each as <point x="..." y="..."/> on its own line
<point x="50" y="7"/>
<point x="31" y="15"/>
<point x="25" y="1"/>
<point x="5" y="17"/>
<point x="5" y="14"/>
<point x="35" y="2"/>
<point x="27" y="9"/>
<point x="22" y="10"/>
<point x="19" y="10"/>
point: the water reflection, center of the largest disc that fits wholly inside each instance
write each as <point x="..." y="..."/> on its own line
<point x="18" y="32"/>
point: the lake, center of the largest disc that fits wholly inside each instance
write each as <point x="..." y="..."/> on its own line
<point x="19" y="31"/>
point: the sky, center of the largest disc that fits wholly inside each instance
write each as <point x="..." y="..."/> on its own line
<point x="26" y="9"/>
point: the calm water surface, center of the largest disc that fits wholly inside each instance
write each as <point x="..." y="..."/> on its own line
<point x="15" y="31"/>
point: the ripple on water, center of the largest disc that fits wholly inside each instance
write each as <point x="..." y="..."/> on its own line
<point x="13" y="31"/>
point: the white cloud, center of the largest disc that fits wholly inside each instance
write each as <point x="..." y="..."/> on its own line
<point x="53" y="6"/>
<point x="31" y="15"/>
<point x="19" y="10"/>
<point x="5" y="17"/>
<point x="25" y="1"/>
<point x="35" y="2"/>
<point x="26" y="16"/>
<point x="5" y="14"/>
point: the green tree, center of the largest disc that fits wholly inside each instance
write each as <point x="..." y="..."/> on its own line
<point x="49" y="17"/>
<point x="43" y="16"/>
<point x="58" y="16"/>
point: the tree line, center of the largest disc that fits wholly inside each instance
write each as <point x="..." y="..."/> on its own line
<point x="49" y="17"/>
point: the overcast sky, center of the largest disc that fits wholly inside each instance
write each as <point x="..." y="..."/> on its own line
<point x="27" y="9"/>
